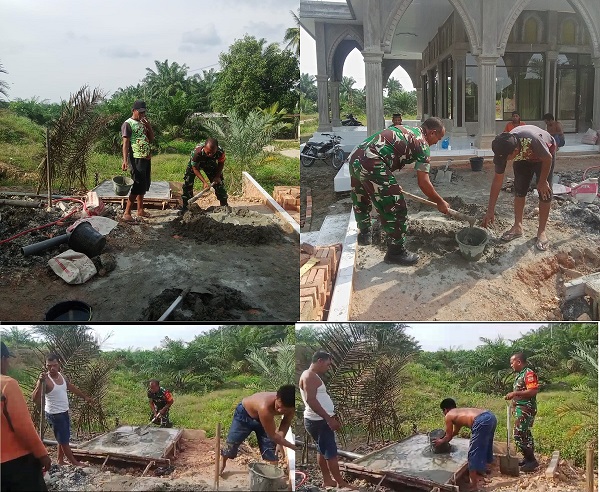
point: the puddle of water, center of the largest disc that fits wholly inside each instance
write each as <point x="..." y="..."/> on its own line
<point x="414" y="457"/>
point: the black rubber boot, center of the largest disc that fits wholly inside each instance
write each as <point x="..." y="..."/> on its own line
<point x="223" y="203"/>
<point x="398" y="254"/>
<point x="531" y="463"/>
<point x="365" y="237"/>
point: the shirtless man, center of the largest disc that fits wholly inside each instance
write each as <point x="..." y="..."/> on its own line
<point x="256" y="413"/>
<point x="481" y="448"/>
<point x="57" y="406"/>
<point x="320" y="421"/>
<point x="555" y="129"/>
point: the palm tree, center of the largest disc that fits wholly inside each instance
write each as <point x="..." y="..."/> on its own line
<point x="167" y="79"/>
<point x="275" y="365"/>
<point x="292" y="36"/>
<point x="3" y="85"/>
<point x="17" y="338"/>
<point x="347" y="90"/>
<point x="393" y="85"/>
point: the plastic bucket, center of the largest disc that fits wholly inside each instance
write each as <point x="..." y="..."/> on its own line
<point x="476" y="163"/>
<point x="266" y="477"/>
<point x="585" y="191"/>
<point x="122" y="185"/>
<point x="471" y="242"/>
<point x="87" y="240"/>
<point x="438" y="434"/>
<point x="69" y="311"/>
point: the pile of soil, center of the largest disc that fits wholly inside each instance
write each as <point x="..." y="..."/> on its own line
<point x="221" y="224"/>
<point x="206" y="303"/>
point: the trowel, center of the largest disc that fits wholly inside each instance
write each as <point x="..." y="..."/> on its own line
<point x="453" y="213"/>
<point x="140" y="431"/>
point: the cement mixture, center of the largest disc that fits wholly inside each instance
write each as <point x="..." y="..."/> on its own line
<point x="511" y="281"/>
<point x="258" y="280"/>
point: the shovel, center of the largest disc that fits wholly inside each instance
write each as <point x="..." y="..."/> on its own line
<point x="201" y="194"/>
<point x="453" y="213"/>
<point x="140" y="431"/>
<point x="509" y="465"/>
<point x="444" y="176"/>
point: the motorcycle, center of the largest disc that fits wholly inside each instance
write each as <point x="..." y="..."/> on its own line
<point x="326" y="151"/>
<point x="351" y="121"/>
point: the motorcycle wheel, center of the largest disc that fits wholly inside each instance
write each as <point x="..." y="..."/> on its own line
<point x="307" y="161"/>
<point x="337" y="159"/>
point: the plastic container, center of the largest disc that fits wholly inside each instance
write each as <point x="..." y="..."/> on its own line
<point x="122" y="185"/>
<point x="445" y="143"/>
<point x="69" y="311"/>
<point x="87" y="240"/>
<point x="471" y="242"/>
<point x="585" y="191"/>
<point x="476" y="163"/>
<point x="266" y="477"/>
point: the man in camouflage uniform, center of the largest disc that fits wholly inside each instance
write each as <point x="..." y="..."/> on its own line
<point x="160" y="401"/>
<point x="373" y="183"/>
<point x="524" y="403"/>
<point x="209" y="158"/>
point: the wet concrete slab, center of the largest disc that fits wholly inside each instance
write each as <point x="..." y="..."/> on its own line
<point x="124" y="440"/>
<point x="414" y="457"/>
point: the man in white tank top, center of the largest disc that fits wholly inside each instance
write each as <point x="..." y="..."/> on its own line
<point x="320" y="420"/>
<point x="57" y="406"/>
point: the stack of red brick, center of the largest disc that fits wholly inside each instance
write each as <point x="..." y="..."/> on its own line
<point x="289" y="198"/>
<point x="316" y="283"/>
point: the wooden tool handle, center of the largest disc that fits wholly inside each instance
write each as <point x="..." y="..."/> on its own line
<point x="451" y="212"/>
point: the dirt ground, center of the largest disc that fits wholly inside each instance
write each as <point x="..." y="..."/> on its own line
<point x="239" y="265"/>
<point x="512" y="281"/>
<point x="192" y="471"/>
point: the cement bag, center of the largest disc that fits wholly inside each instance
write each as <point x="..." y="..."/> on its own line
<point x="590" y="137"/>
<point x="102" y="224"/>
<point x="73" y="267"/>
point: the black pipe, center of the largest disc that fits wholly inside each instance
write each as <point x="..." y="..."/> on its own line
<point x="346" y="454"/>
<point x="32" y="249"/>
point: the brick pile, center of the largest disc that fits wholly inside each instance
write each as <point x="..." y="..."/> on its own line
<point x="316" y="283"/>
<point x="289" y="198"/>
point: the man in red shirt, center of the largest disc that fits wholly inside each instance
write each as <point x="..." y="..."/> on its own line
<point x="515" y="122"/>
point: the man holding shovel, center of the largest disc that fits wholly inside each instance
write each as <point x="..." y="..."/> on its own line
<point x="481" y="447"/>
<point x="523" y="396"/>
<point x="373" y="183"/>
<point x="209" y="158"/>
<point x="256" y="413"/>
<point x="24" y="458"/>
<point x="160" y="402"/>
<point x="320" y="421"/>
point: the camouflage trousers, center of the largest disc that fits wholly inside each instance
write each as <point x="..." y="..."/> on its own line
<point x="524" y="417"/>
<point x="374" y="184"/>
<point x="211" y="174"/>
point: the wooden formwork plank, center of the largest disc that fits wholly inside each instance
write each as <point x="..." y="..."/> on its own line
<point x="553" y="466"/>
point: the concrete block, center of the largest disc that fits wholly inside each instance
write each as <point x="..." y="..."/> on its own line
<point x="553" y="466"/>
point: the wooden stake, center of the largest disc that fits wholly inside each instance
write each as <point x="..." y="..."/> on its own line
<point x="48" y="174"/>
<point x="589" y="467"/>
<point x="42" y="398"/>
<point x="147" y="468"/>
<point x="217" y="455"/>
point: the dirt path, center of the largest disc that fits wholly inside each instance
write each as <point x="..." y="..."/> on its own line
<point x="512" y="281"/>
<point x="231" y="278"/>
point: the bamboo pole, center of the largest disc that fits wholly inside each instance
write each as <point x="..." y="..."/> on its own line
<point x="217" y="455"/>
<point x="589" y="467"/>
<point x="48" y="173"/>
<point x="42" y="398"/>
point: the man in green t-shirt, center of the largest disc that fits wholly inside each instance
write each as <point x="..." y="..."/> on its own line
<point x="373" y="183"/>
<point x="137" y="136"/>
<point x="524" y="404"/>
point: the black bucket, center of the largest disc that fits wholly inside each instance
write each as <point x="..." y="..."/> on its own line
<point x="69" y="311"/>
<point x="438" y="434"/>
<point x="87" y="240"/>
<point x="476" y="163"/>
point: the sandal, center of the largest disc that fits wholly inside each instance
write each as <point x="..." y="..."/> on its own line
<point x="541" y="245"/>
<point x="143" y="214"/>
<point x="509" y="236"/>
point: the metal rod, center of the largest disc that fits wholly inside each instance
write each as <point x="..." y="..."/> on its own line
<point x="52" y="442"/>
<point x="48" y="173"/>
<point x="217" y="455"/>
<point x="172" y="307"/>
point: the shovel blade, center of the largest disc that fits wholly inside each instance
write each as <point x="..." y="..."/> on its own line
<point x="509" y="465"/>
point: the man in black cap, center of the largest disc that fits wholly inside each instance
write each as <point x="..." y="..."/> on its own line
<point x="23" y="456"/>
<point x="137" y="137"/>
<point x="532" y="151"/>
